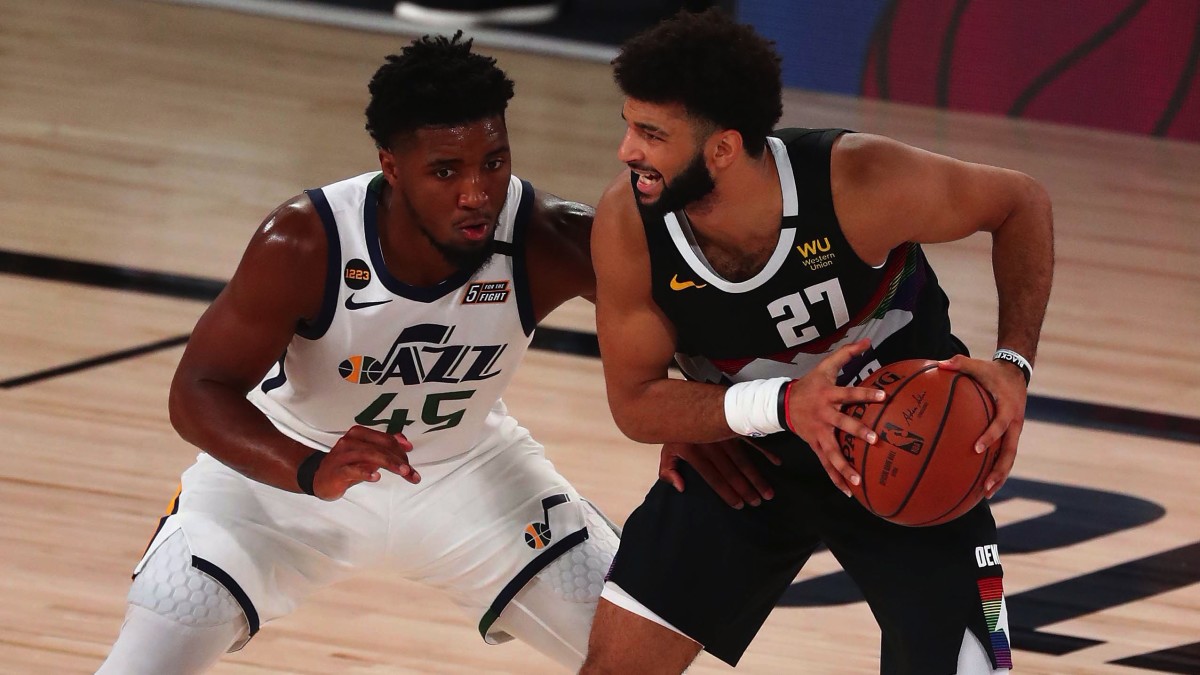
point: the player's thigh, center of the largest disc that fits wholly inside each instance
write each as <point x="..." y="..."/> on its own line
<point x="929" y="587"/>
<point x="268" y="547"/>
<point x="711" y="571"/>
<point x="553" y="612"/>
<point x="625" y="641"/>
<point x="495" y="522"/>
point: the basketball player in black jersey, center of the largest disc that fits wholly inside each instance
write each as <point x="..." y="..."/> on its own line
<point x="778" y="269"/>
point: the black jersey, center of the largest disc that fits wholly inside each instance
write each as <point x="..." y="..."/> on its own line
<point x="813" y="295"/>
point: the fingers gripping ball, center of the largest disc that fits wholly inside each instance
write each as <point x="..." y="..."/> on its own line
<point x="923" y="470"/>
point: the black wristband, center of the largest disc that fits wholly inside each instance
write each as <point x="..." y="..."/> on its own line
<point x="307" y="471"/>
<point x="1017" y="360"/>
<point x="782" y="407"/>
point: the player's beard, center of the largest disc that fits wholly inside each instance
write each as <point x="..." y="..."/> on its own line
<point x="690" y="186"/>
<point x="464" y="258"/>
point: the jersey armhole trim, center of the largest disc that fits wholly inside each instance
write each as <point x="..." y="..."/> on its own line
<point x="520" y="259"/>
<point x="333" y="260"/>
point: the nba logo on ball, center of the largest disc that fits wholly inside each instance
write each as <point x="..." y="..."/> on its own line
<point x="537" y="535"/>
<point x="924" y="469"/>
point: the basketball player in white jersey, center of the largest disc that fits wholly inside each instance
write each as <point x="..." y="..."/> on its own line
<point x="345" y="390"/>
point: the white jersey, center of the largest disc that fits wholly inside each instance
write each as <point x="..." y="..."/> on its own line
<point x="430" y="362"/>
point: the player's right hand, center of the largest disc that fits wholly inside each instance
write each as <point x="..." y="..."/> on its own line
<point x="726" y="467"/>
<point x="815" y="409"/>
<point x="358" y="456"/>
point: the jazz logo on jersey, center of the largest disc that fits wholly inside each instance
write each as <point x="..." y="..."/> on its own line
<point x="424" y="353"/>
<point x="481" y="292"/>
<point x="537" y="533"/>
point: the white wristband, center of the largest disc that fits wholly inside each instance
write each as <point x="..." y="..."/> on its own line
<point x="752" y="408"/>
<point x="1017" y="360"/>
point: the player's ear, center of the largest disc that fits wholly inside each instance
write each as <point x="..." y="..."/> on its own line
<point x="726" y="145"/>
<point x="387" y="162"/>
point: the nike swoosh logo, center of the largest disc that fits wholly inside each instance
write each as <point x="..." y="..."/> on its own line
<point x="677" y="285"/>
<point x="352" y="305"/>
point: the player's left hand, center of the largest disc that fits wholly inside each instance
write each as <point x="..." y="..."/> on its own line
<point x="725" y="465"/>
<point x="1007" y="387"/>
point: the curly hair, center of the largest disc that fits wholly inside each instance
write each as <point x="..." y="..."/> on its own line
<point x="720" y="71"/>
<point x="434" y="81"/>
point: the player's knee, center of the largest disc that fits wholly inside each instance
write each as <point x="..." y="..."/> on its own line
<point x="179" y="619"/>
<point x="578" y="574"/>
<point x="553" y="612"/>
<point x="608" y="655"/>
<point x="171" y="587"/>
<point x="624" y="642"/>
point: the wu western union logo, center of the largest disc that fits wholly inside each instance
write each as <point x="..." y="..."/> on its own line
<point x="815" y="246"/>
<point x="816" y="253"/>
<point x="677" y="285"/>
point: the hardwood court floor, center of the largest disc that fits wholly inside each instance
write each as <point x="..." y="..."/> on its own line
<point x="155" y="137"/>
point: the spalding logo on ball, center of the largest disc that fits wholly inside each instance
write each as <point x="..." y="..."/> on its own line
<point x="923" y="469"/>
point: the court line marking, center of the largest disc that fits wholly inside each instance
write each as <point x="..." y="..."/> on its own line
<point x="1052" y="410"/>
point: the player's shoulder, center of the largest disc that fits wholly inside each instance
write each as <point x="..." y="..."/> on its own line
<point x="558" y="224"/>
<point x="810" y="135"/>
<point x="293" y="229"/>
<point x="554" y="212"/>
<point x="282" y="271"/>
<point x="619" y="189"/>
<point x="868" y="158"/>
<point x="618" y="202"/>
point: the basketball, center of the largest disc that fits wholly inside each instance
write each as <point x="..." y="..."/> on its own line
<point x="923" y="469"/>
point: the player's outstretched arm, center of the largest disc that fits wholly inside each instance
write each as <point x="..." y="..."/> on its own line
<point x="279" y="283"/>
<point x="559" y="260"/>
<point x="887" y="193"/>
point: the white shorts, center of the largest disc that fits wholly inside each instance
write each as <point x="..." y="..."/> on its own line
<point x="478" y="526"/>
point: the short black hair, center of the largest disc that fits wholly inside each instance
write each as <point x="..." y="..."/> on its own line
<point x="434" y="81"/>
<point x="719" y="70"/>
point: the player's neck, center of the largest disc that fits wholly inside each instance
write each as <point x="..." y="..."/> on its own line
<point x="745" y="208"/>
<point x="407" y="252"/>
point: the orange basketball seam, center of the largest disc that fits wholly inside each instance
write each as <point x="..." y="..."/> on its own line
<point x="916" y="482"/>
<point x="867" y="446"/>
<point x="974" y="485"/>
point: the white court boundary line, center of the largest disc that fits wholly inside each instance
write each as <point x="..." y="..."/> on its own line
<point x="377" y="22"/>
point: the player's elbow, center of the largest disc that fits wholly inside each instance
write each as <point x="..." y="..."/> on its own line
<point x="1033" y="202"/>
<point x="178" y="408"/>
<point x="631" y="419"/>
<point x="187" y="404"/>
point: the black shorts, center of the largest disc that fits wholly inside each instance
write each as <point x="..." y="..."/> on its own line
<point x="715" y="572"/>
